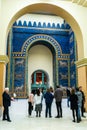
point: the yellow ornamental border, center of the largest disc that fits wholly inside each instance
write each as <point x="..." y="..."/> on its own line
<point x="82" y="62"/>
<point x="4" y="58"/>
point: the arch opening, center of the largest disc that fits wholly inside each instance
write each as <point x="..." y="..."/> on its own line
<point x="44" y="58"/>
<point x="39" y="79"/>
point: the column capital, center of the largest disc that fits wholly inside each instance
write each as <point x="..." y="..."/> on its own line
<point x="82" y="62"/>
<point x="4" y="59"/>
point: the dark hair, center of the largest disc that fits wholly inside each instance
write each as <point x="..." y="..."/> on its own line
<point x="77" y="89"/>
<point x="51" y="89"/>
<point x="38" y="92"/>
<point x="57" y="86"/>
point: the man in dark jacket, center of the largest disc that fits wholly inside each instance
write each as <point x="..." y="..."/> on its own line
<point x="58" y="97"/>
<point x="74" y="105"/>
<point x="6" y="103"/>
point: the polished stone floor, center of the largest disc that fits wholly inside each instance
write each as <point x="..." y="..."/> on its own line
<point x="21" y="120"/>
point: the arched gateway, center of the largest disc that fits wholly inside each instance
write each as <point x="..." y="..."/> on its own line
<point x="50" y="43"/>
<point x="49" y="52"/>
<point x="12" y="16"/>
<point x="21" y="81"/>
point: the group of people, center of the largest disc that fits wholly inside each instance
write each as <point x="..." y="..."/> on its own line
<point x="75" y="100"/>
<point x="37" y="98"/>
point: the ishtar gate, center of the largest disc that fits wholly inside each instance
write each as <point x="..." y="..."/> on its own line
<point x="42" y="44"/>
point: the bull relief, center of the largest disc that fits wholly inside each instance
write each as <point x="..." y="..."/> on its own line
<point x="19" y="76"/>
<point x="63" y="73"/>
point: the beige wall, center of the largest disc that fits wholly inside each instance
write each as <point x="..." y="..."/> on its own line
<point x="71" y="12"/>
<point x="82" y="76"/>
<point x="42" y="60"/>
<point x="82" y="81"/>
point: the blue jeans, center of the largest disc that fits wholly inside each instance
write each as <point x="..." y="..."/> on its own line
<point x="79" y="111"/>
<point x="48" y="109"/>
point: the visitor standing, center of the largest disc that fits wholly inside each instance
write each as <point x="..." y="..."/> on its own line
<point x="79" y="95"/>
<point x="74" y="105"/>
<point x="58" y="97"/>
<point x="83" y="102"/>
<point x="38" y="103"/>
<point x="6" y="104"/>
<point x="30" y="103"/>
<point x="48" y="101"/>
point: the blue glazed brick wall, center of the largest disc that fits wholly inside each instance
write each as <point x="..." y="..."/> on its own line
<point x="66" y="55"/>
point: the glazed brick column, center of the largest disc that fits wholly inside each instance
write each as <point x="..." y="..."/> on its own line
<point x="82" y="76"/>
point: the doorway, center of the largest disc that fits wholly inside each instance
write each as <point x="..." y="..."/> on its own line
<point x="39" y="79"/>
<point x="40" y="65"/>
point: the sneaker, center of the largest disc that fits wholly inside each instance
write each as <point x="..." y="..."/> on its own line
<point x="57" y="117"/>
<point x="9" y="120"/>
<point x="4" y="119"/>
<point x="78" y="121"/>
<point x="73" y="120"/>
<point x="84" y="116"/>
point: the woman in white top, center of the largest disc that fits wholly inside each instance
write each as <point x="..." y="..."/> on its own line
<point x="38" y="107"/>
